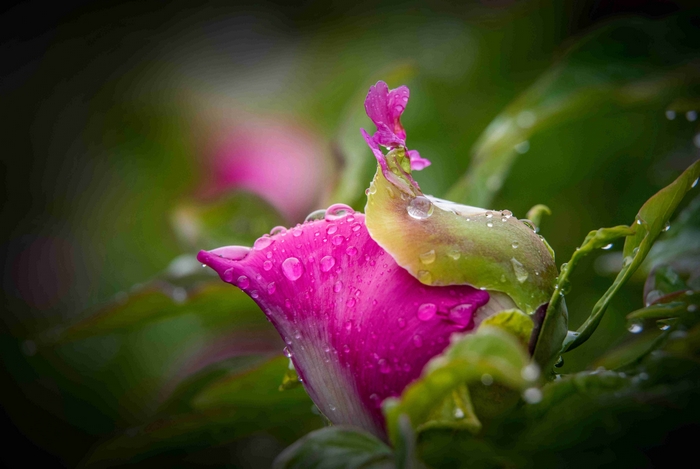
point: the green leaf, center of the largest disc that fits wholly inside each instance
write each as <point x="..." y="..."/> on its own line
<point x="238" y="218"/>
<point x="490" y="351"/>
<point x="513" y="321"/>
<point x="649" y="224"/>
<point x="225" y="410"/>
<point x="336" y="447"/>
<point x="626" y="63"/>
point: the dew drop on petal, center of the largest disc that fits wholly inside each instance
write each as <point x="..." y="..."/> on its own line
<point x="287" y="352"/>
<point x="338" y="286"/>
<point x="337" y="240"/>
<point x="356" y="227"/>
<point x="332" y="229"/>
<point x="262" y="242"/>
<point x="427" y="257"/>
<point x="425" y="277"/>
<point x="228" y="275"/>
<point x="254" y="294"/>
<point x="417" y="340"/>
<point x="296" y="232"/>
<point x="351" y="302"/>
<point x="351" y="251"/>
<point x="338" y="211"/>
<point x="278" y="230"/>
<point x="461" y="314"/>
<point x="271" y="288"/>
<point x="243" y="282"/>
<point x="234" y="253"/>
<point x="520" y="271"/>
<point x="292" y="268"/>
<point x="420" y="208"/>
<point x="426" y="311"/>
<point x="327" y="263"/>
<point x="348" y="326"/>
<point x="315" y="215"/>
<point x="267" y="265"/>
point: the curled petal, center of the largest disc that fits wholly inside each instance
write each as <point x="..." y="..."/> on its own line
<point x="358" y="327"/>
<point x="417" y="163"/>
<point x="385" y="107"/>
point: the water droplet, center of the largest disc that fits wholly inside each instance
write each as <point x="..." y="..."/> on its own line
<point x="635" y="327"/>
<point x="402" y="323"/>
<point x="315" y="215"/>
<point x="670" y="115"/>
<point x="332" y="407"/>
<point x="356" y="227"/>
<point x="348" y="326"/>
<point x="243" y="282"/>
<point x="338" y="286"/>
<point x="417" y="340"/>
<point x="532" y="395"/>
<point x="530" y="372"/>
<point x="338" y="211"/>
<point x="667" y="226"/>
<point x="486" y="379"/>
<point x="489" y="224"/>
<point x="254" y="294"/>
<point x="506" y="213"/>
<point x="420" y="208"/>
<point x="292" y="268"/>
<point x="287" y="352"/>
<point x="607" y="246"/>
<point x="384" y="366"/>
<point x="337" y="240"/>
<point x="515" y="244"/>
<point x="267" y="265"/>
<point x="346" y="348"/>
<point x="351" y="251"/>
<point x="296" y="232"/>
<point x="489" y="214"/>
<point x="351" y="302"/>
<point x="461" y="314"/>
<point x="695" y="183"/>
<point x="560" y="362"/>
<point x="327" y="263"/>
<point x="372" y="188"/>
<point x="234" y="253"/>
<point x="426" y="311"/>
<point x="663" y="325"/>
<point x="425" y="277"/>
<point x="454" y="254"/>
<point x="262" y="242"/>
<point x="458" y="413"/>
<point x="692" y="116"/>
<point x="278" y="230"/>
<point x="520" y="271"/>
<point x="427" y="257"/>
<point x="332" y="229"/>
<point x="228" y="275"/>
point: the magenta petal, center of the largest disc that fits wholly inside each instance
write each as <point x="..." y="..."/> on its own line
<point x="397" y="101"/>
<point x="358" y="326"/>
<point x="385" y="107"/>
<point x="417" y="163"/>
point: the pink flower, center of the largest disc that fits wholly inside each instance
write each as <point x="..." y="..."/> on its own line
<point x="358" y="327"/>
<point x="385" y="107"/>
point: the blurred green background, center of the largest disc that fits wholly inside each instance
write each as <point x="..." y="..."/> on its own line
<point x="115" y="120"/>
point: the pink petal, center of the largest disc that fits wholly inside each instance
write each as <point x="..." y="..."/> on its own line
<point x="385" y="107"/>
<point x="359" y="328"/>
<point x="417" y="163"/>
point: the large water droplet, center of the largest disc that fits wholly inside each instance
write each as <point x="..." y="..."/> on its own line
<point x="427" y="257"/>
<point x="267" y="265"/>
<point x="420" y="208"/>
<point x="315" y="215"/>
<point x="520" y="271"/>
<point x="337" y="240"/>
<point x="292" y="268"/>
<point x="228" y="275"/>
<point x="262" y="242"/>
<point x="327" y="263"/>
<point x="278" y="230"/>
<point x="243" y="282"/>
<point x="635" y="327"/>
<point x="426" y="311"/>
<point x="234" y="253"/>
<point x="338" y="211"/>
<point x="652" y="296"/>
